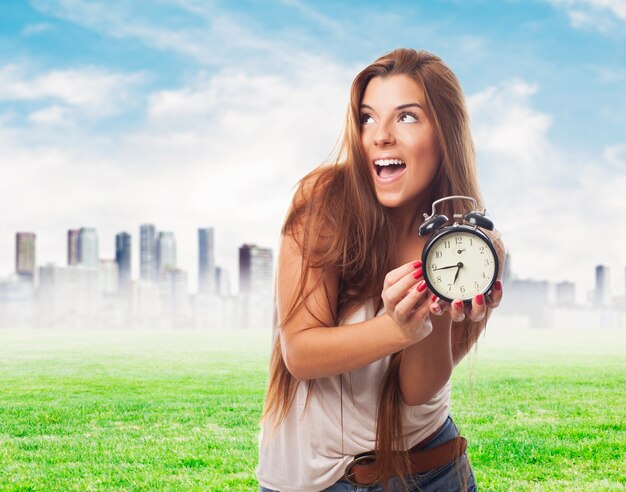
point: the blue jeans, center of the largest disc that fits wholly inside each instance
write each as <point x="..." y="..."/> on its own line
<point x="455" y="476"/>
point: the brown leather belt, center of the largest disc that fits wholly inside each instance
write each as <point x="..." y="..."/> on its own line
<point x="362" y="470"/>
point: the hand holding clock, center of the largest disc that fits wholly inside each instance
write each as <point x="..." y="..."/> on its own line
<point x="476" y="311"/>
<point x="406" y="300"/>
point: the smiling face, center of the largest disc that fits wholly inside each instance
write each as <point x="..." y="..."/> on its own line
<point x="399" y="141"/>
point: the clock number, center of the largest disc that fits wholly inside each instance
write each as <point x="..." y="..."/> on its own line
<point x="439" y="278"/>
<point x="486" y="262"/>
<point x="433" y="267"/>
<point x="482" y="250"/>
<point x="462" y="289"/>
<point x="458" y="240"/>
<point x="446" y="244"/>
<point x="484" y="275"/>
<point x="476" y="286"/>
<point x="449" y="287"/>
<point x="438" y="254"/>
<point x="471" y="242"/>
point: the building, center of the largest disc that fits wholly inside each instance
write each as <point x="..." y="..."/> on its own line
<point x="109" y="277"/>
<point x="148" y="267"/>
<point x="566" y="294"/>
<point x="222" y="282"/>
<point x="175" y="297"/>
<point x="506" y="268"/>
<point x="255" y="269"/>
<point x="72" y="247"/>
<point x="70" y="297"/>
<point x="166" y="252"/>
<point x="88" y="249"/>
<point x="25" y="260"/>
<point x="206" y="261"/>
<point x="123" y="260"/>
<point x="603" y="286"/>
<point x="255" y="287"/>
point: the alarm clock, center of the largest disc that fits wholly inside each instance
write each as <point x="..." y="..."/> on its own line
<point x="459" y="260"/>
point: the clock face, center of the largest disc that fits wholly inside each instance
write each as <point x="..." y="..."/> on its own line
<point x="460" y="264"/>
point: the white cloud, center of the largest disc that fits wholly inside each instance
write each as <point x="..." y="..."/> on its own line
<point x="617" y="7"/>
<point x="51" y="115"/>
<point x="549" y="203"/>
<point x="224" y="151"/>
<point x="599" y="15"/>
<point x="615" y="155"/>
<point x="217" y="39"/>
<point x="32" y="29"/>
<point x="505" y="125"/>
<point x="93" y="90"/>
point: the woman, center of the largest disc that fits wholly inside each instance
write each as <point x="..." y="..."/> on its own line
<point x="363" y="353"/>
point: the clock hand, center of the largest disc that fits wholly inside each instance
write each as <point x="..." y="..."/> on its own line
<point x="459" y="265"/>
<point x="446" y="267"/>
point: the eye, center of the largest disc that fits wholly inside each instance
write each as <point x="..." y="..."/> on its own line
<point x="408" y="118"/>
<point x="366" y="119"/>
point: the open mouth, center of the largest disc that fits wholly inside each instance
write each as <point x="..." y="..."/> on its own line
<point x="387" y="168"/>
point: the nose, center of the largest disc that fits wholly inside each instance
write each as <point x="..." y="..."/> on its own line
<point x="383" y="136"/>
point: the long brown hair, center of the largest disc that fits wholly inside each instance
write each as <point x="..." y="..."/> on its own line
<point x="340" y="226"/>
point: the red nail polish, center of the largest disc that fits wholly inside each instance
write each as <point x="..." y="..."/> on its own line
<point x="434" y="298"/>
<point x="480" y="299"/>
<point x="421" y="287"/>
<point x="497" y="285"/>
<point x="458" y="305"/>
<point x="417" y="274"/>
<point x="417" y="264"/>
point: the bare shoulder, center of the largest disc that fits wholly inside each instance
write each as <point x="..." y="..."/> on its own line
<point x="307" y="284"/>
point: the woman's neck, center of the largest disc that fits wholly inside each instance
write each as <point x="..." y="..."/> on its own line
<point x="408" y="217"/>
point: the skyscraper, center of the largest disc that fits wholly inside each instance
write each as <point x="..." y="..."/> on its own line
<point x="123" y="260"/>
<point x="147" y="252"/>
<point x="25" y="261"/>
<point x="72" y="247"/>
<point x="206" y="261"/>
<point x="166" y="252"/>
<point x="88" y="249"/>
<point x="222" y="282"/>
<point x="108" y="276"/>
<point x="603" y="288"/>
<point x="255" y="269"/>
<point x="565" y="294"/>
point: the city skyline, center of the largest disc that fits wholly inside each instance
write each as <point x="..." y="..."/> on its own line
<point x="188" y="113"/>
<point x="601" y="292"/>
<point x="155" y="255"/>
<point x="91" y="292"/>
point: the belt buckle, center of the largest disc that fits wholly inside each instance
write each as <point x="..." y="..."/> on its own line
<point x="359" y="458"/>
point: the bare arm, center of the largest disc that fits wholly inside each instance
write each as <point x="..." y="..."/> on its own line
<point x="313" y="347"/>
<point x="427" y="365"/>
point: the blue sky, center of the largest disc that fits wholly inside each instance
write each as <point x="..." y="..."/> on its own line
<point x="189" y="113"/>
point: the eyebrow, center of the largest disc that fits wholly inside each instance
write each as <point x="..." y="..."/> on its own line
<point x="398" y="108"/>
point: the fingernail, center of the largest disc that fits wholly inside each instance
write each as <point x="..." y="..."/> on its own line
<point x="434" y="298"/>
<point x="436" y="308"/>
<point x="480" y="299"/>
<point x="417" y="274"/>
<point x="421" y="287"/>
<point x="498" y="285"/>
<point x="417" y="264"/>
<point x="458" y="305"/>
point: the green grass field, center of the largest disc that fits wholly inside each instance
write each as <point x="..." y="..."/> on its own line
<point x="94" y="410"/>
